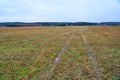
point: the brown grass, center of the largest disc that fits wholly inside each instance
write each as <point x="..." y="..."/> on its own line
<point x="26" y="53"/>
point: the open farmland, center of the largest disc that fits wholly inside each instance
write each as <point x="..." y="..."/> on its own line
<point x="60" y="53"/>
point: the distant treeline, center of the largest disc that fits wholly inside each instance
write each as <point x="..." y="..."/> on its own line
<point x="20" y="24"/>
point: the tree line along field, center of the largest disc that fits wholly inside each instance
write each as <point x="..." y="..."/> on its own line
<point x="60" y="53"/>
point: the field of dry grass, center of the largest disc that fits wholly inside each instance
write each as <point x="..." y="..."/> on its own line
<point x="60" y="53"/>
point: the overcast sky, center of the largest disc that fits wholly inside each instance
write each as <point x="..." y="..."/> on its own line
<point x="59" y="10"/>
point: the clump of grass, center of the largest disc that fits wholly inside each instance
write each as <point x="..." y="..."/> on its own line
<point x="2" y="76"/>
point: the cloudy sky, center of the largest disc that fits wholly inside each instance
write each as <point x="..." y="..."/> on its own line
<point x="59" y="10"/>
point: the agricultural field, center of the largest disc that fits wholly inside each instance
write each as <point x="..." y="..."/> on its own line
<point x="60" y="53"/>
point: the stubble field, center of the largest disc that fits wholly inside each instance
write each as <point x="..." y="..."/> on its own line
<point x="60" y="53"/>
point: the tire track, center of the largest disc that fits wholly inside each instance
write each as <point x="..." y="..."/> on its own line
<point x="56" y="60"/>
<point x="42" y="52"/>
<point x="91" y="58"/>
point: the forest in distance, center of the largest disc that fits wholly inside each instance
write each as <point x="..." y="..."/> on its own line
<point x="24" y="24"/>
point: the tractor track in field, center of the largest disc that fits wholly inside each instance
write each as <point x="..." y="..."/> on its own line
<point x="56" y="60"/>
<point x="91" y="58"/>
<point x="53" y="64"/>
<point x="42" y="52"/>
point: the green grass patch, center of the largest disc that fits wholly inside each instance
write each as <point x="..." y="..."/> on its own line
<point x="2" y="76"/>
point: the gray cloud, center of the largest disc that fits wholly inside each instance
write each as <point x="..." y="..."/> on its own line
<point x="59" y="10"/>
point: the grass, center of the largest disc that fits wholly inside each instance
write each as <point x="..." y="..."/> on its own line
<point x="26" y="53"/>
<point x="106" y="47"/>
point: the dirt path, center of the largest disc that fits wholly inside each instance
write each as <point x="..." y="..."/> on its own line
<point x="91" y="58"/>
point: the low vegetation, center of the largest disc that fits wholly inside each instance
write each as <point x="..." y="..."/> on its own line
<point x="27" y="52"/>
